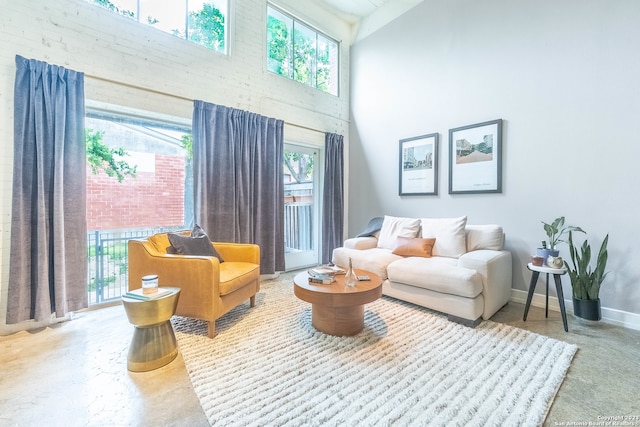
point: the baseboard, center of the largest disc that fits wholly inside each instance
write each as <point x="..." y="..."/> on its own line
<point x="609" y="315"/>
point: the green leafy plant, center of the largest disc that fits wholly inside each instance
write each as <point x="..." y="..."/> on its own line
<point x="585" y="281"/>
<point x="102" y="157"/>
<point x="556" y="230"/>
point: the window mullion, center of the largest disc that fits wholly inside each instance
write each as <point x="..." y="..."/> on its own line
<point x="315" y="63"/>
<point x="293" y="51"/>
<point x="186" y="19"/>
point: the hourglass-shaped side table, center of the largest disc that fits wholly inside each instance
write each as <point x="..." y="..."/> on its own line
<point x="154" y="343"/>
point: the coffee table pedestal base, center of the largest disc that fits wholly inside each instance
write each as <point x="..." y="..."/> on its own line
<point x="338" y="321"/>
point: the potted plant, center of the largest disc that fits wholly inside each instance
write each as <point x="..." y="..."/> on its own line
<point x="585" y="281"/>
<point x="555" y="231"/>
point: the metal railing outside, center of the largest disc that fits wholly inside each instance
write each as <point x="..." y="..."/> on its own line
<point x="108" y="261"/>
<point x="298" y="226"/>
<point x="108" y="251"/>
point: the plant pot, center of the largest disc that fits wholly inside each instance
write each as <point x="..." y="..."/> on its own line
<point x="588" y="309"/>
<point x="545" y="253"/>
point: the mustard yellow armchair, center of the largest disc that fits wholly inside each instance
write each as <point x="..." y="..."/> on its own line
<point x="209" y="288"/>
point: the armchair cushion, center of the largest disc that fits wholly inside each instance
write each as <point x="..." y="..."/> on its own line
<point x="235" y="275"/>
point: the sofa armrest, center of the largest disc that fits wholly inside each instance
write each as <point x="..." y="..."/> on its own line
<point x="495" y="268"/>
<point x="238" y="252"/>
<point x="361" y="243"/>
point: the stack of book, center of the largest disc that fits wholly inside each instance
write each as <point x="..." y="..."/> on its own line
<point x="324" y="274"/>
<point x="139" y="294"/>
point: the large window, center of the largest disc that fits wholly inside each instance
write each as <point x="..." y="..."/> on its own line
<point x="139" y="182"/>
<point x="200" y="21"/>
<point x="301" y="53"/>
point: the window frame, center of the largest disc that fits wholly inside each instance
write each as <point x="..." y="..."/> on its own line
<point x="137" y="18"/>
<point x="295" y="20"/>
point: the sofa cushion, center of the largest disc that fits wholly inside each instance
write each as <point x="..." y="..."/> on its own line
<point x="437" y="274"/>
<point x="489" y="236"/>
<point x="407" y="246"/>
<point x="449" y="234"/>
<point x="374" y="260"/>
<point x="392" y="227"/>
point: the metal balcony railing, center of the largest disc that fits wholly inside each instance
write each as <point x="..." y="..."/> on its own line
<point x="108" y="251"/>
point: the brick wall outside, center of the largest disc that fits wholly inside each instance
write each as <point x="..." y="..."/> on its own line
<point x="151" y="199"/>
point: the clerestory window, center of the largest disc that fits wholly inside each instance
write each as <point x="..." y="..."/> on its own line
<point x="300" y="52"/>
<point x="199" y="21"/>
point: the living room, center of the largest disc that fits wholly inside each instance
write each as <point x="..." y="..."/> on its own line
<point x="561" y="75"/>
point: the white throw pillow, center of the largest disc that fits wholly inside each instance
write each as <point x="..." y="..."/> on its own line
<point x="392" y="227"/>
<point x="449" y="235"/>
<point x="487" y="236"/>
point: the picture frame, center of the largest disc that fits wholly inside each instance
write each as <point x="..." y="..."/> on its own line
<point x="475" y="158"/>
<point x="418" y="165"/>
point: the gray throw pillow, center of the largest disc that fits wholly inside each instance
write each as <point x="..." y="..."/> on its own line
<point x="196" y="244"/>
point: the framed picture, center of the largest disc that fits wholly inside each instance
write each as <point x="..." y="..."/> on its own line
<point x="419" y="165"/>
<point x="475" y="158"/>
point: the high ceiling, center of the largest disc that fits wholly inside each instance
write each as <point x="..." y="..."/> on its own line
<point x="358" y="9"/>
<point x="368" y="15"/>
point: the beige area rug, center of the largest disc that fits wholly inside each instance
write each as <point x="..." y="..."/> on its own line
<point x="409" y="367"/>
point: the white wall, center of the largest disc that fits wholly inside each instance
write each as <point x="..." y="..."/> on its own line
<point x="565" y="78"/>
<point x="136" y="66"/>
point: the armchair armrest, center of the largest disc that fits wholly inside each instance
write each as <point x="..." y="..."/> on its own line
<point x="238" y="252"/>
<point x="361" y="243"/>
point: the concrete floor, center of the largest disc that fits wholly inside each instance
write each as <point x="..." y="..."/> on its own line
<point x="75" y="374"/>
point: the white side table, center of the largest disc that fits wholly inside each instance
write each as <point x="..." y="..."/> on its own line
<point x="535" y="273"/>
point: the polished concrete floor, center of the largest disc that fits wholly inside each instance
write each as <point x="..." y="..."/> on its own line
<point x="75" y="374"/>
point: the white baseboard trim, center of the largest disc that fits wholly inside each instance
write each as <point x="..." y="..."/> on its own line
<point x="609" y="315"/>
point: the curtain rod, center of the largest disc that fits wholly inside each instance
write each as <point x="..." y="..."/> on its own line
<point x="184" y="98"/>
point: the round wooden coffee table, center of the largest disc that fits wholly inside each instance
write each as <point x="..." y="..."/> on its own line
<point x="338" y="309"/>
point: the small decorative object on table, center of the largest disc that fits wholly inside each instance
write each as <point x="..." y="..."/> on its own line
<point x="150" y="284"/>
<point x="555" y="262"/>
<point x="538" y="261"/>
<point x="351" y="278"/>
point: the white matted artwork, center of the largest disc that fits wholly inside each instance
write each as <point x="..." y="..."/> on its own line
<point x="475" y="158"/>
<point x="419" y="165"/>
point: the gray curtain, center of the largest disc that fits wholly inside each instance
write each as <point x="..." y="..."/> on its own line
<point x="48" y="262"/>
<point x="333" y="196"/>
<point x="238" y="179"/>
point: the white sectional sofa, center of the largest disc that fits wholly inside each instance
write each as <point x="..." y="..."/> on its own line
<point x="443" y="264"/>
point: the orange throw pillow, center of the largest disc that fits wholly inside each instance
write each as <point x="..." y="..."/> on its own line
<point x="414" y="246"/>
